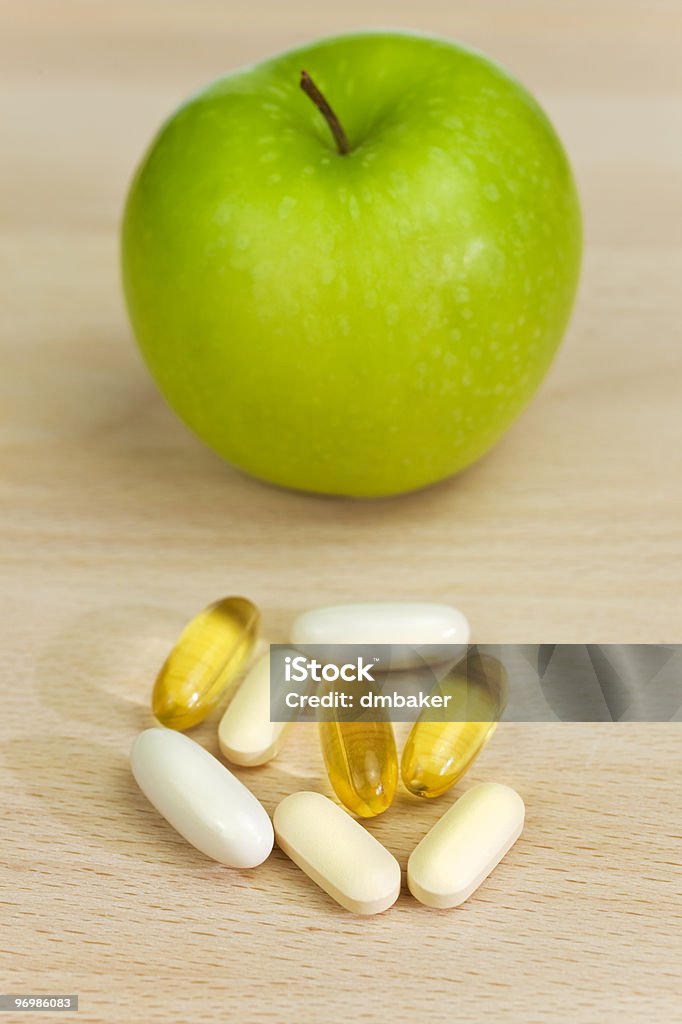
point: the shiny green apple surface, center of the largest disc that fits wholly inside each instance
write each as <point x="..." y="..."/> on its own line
<point x="364" y="322"/>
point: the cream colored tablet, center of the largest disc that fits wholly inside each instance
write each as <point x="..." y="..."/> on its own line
<point x="341" y="856"/>
<point x="466" y="844"/>
<point x="246" y="735"/>
<point x="403" y="624"/>
<point x="201" y="799"/>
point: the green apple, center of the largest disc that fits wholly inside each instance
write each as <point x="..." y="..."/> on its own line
<point x="355" y="286"/>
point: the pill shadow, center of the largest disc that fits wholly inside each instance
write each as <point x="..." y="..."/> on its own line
<point x="101" y="667"/>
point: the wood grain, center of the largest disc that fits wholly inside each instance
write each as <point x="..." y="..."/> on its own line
<point x="117" y="525"/>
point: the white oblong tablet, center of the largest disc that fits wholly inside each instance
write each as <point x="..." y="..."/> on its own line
<point x="403" y="624"/>
<point x="341" y="856"/>
<point x="246" y="735"/>
<point x="466" y="844"/>
<point x="201" y="799"/>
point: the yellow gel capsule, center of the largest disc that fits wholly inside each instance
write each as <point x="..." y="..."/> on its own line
<point x="438" y="753"/>
<point x="207" y="658"/>
<point x="362" y="764"/>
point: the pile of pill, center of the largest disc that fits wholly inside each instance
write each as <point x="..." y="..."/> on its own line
<point x="218" y="815"/>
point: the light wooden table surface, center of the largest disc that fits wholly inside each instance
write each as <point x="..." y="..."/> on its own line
<point x="117" y="525"/>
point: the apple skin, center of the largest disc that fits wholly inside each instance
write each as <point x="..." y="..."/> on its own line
<point x="362" y="324"/>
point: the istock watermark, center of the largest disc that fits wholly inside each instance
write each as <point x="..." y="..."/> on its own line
<point x="482" y="682"/>
<point x="299" y="669"/>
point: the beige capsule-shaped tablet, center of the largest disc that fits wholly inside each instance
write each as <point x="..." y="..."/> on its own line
<point x="417" y="631"/>
<point x="466" y="844"/>
<point x="246" y="735"/>
<point x="341" y="856"/>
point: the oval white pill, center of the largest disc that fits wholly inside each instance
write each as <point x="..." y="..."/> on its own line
<point x="246" y="735"/>
<point x="466" y="844"/>
<point x="201" y="799"/>
<point x="403" y="624"/>
<point x="341" y="856"/>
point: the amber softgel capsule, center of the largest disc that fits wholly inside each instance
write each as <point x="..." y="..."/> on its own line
<point x="362" y="764"/>
<point x="438" y="753"/>
<point x="205" y="662"/>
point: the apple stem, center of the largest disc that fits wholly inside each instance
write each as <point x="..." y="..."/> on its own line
<point x="311" y="90"/>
